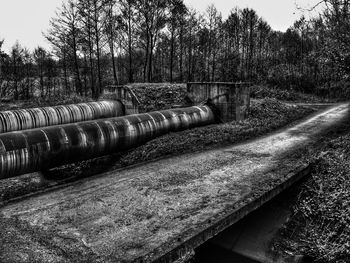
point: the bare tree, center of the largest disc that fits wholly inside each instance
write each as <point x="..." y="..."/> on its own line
<point x="65" y="32"/>
<point x="152" y="18"/>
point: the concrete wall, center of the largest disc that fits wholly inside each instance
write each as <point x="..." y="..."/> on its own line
<point x="123" y="94"/>
<point x="232" y="100"/>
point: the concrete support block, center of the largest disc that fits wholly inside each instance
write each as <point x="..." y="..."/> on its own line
<point x="231" y="100"/>
<point x="123" y="94"/>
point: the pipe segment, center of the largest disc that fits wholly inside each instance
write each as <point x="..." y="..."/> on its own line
<point x="24" y="119"/>
<point x="40" y="149"/>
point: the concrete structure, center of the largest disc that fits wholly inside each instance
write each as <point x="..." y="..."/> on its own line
<point x="123" y="94"/>
<point x="232" y="100"/>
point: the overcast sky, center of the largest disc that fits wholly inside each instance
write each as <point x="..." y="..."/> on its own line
<point x="25" y="20"/>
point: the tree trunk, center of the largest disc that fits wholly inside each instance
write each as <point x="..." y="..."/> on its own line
<point x="181" y="54"/>
<point x="41" y="80"/>
<point x="15" y="78"/>
<point x="76" y="64"/>
<point x="91" y="52"/>
<point x="115" y="76"/>
<point x="150" y="60"/>
<point x="97" y="39"/>
<point x="131" y="78"/>
<point x="146" y="59"/>
<point x="172" y="55"/>
<point x="65" y="72"/>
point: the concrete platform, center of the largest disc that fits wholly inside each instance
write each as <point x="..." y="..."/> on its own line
<point x="162" y="210"/>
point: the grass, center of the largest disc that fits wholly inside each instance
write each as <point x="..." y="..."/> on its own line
<point x="261" y="91"/>
<point x="319" y="226"/>
<point x="266" y="115"/>
<point x="159" y="96"/>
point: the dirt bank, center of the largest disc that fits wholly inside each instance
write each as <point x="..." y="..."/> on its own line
<point x="319" y="226"/>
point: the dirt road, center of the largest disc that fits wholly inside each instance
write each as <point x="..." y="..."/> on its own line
<point x="149" y="210"/>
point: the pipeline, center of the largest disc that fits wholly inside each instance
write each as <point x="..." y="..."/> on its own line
<point x="48" y="116"/>
<point x="40" y="149"/>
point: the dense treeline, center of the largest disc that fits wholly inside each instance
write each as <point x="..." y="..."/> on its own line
<point x="102" y="42"/>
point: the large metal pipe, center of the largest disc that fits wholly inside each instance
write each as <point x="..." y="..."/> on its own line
<point x="24" y="119"/>
<point x="39" y="149"/>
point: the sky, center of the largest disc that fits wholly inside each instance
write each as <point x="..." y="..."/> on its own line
<point x="25" y="20"/>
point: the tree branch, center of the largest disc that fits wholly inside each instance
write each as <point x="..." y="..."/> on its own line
<point x="312" y="8"/>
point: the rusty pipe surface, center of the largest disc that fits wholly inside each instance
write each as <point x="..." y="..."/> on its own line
<point x="24" y="119"/>
<point x="39" y="149"/>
